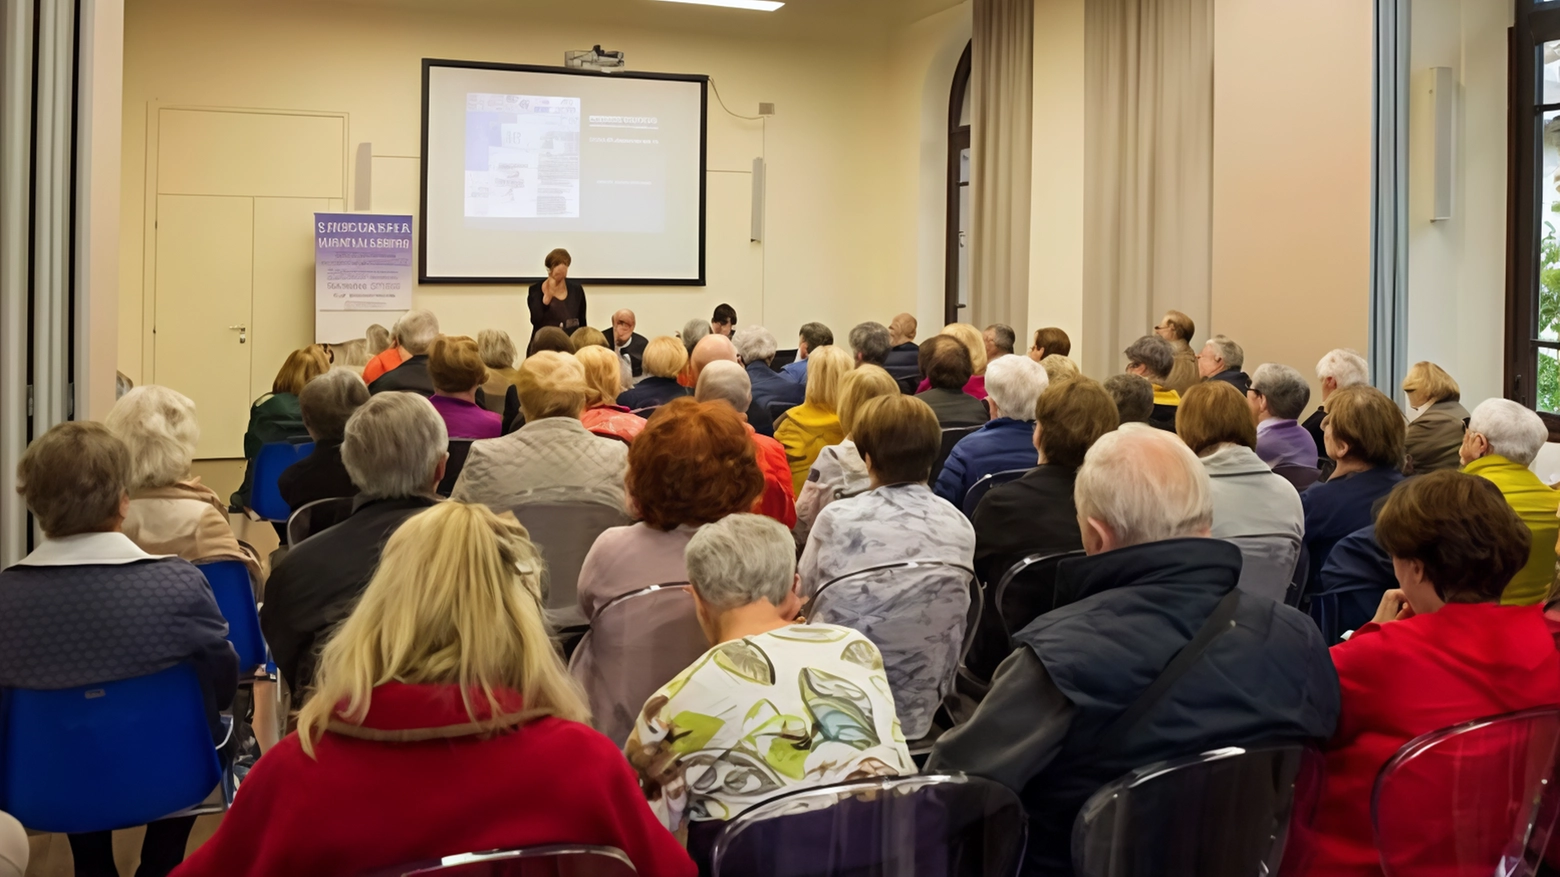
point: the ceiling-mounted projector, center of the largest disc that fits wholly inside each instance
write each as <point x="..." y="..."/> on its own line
<point x="595" y="59"/>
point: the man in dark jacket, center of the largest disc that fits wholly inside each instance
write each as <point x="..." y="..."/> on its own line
<point x="415" y="331"/>
<point x="626" y="342"/>
<point x="327" y="402"/>
<point x="904" y="355"/>
<point x="756" y="347"/>
<point x="395" y="450"/>
<point x="946" y="364"/>
<point x="1221" y="359"/>
<point x="1051" y="727"/>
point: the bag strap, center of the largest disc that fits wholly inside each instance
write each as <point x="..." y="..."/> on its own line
<point x="1222" y="620"/>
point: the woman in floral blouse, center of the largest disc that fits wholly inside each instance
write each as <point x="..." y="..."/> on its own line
<point x="776" y="704"/>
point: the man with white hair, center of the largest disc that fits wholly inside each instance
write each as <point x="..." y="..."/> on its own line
<point x="718" y="348"/>
<point x="1502" y="440"/>
<point x="1006" y="442"/>
<point x="1338" y="369"/>
<point x="1221" y="359"/>
<point x="727" y="382"/>
<point x="395" y="447"/>
<point x="626" y="342"/>
<point x="756" y="346"/>
<point x="1154" y="653"/>
<point x="414" y="334"/>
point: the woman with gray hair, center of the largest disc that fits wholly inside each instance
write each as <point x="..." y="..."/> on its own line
<point x="328" y="402"/>
<point x="1502" y="441"/>
<point x="498" y="353"/>
<point x="777" y="704"/>
<point x="1277" y="398"/>
<point x="171" y="512"/>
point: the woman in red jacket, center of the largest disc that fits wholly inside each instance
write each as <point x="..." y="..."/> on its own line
<point x="1441" y="651"/>
<point x="442" y="723"/>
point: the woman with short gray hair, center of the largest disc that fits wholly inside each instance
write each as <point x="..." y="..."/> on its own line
<point x="1277" y="398"/>
<point x="328" y="402"/>
<point x="778" y="702"/>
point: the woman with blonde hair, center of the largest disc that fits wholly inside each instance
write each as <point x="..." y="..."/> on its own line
<point x="603" y="384"/>
<point x="278" y="417"/>
<point x="839" y="471"/>
<point x="442" y="687"/>
<point x="664" y="359"/>
<point x="498" y="353"/>
<point x="810" y="427"/>
<point x="1435" y="428"/>
<point x="973" y="341"/>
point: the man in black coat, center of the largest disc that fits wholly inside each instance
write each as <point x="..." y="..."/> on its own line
<point x="415" y="333"/>
<point x="1221" y="359"/>
<point x="1075" y="707"/>
<point x="395" y="450"/>
<point x="626" y="342"/>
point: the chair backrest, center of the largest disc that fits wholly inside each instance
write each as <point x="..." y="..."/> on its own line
<point x="107" y="756"/>
<point x="312" y="517"/>
<point x="979" y="489"/>
<point x="265" y="498"/>
<point x="907" y="383"/>
<point x="637" y="643"/>
<point x="574" y="860"/>
<point x="1028" y="590"/>
<point x="229" y="580"/>
<point x="944" y="824"/>
<point x="778" y="408"/>
<point x="1300" y="476"/>
<point x="1267" y="563"/>
<point x="459" y="449"/>
<point x="1476" y="798"/>
<point x="646" y="413"/>
<point x="1225" y="813"/>
<point x="922" y="615"/>
<point x="565" y="531"/>
<point x="950" y="437"/>
<point x="782" y="359"/>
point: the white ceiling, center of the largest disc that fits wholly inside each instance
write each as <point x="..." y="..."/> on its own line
<point x="832" y="19"/>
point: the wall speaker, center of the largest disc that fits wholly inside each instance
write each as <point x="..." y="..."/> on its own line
<point x="759" y="171"/>
<point x="363" y="179"/>
<point x="1443" y="90"/>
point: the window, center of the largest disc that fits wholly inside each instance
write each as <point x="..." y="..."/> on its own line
<point x="957" y="267"/>
<point x="1533" y="226"/>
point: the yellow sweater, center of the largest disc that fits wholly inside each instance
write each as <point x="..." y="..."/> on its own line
<point x="1163" y="396"/>
<point x="805" y="431"/>
<point x="1536" y="504"/>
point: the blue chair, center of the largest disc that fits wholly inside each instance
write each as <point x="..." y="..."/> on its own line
<point x="979" y="489"/>
<point x="229" y="580"/>
<point x="265" y="499"/>
<point x="110" y="756"/>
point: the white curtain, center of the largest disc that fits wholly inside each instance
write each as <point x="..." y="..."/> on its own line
<point x="1148" y="189"/>
<point x="1002" y="88"/>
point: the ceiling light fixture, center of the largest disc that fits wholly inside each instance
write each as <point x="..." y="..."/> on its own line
<point x="756" y="5"/>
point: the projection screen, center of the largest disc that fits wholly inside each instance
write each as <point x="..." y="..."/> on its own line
<point x="520" y="160"/>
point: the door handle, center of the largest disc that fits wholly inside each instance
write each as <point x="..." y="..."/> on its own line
<point x="243" y="333"/>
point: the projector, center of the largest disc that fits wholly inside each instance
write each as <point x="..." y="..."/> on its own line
<point x="595" y="59"/>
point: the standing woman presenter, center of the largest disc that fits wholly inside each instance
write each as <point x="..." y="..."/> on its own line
<point x="557" y="301"/>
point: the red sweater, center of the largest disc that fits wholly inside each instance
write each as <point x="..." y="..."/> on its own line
<point x="1408" y="678"/>
<point x="778" y="500"/>
<point x="416" y="782"/>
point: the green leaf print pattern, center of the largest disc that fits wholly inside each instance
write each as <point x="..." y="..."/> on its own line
<point x="745" y="661"/>
<point x="840" y="710"/>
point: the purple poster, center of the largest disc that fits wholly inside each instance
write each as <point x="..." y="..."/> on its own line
<point x="363" y="262"/>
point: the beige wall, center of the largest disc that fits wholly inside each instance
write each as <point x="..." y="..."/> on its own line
<point x="847" y="211"/>
<point x="97" y="192"/>
<point x="1457" y="267"/>
<point x="1291" y="182"/>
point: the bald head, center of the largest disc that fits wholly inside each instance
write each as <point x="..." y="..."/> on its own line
<point x="722" y="381"/>
<point x="902" y="329"/>
<point x="1140" y="485"/>
<point x="623" y="323"/>
<point x="712" y="348"/>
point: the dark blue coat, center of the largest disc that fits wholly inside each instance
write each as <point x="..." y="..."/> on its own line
<point x="770" y="387"/>
<point x="1349" y="589"/>
<point x="1336" y="508"/>
<point x="1269" y="678"/>
<point x="999" y="446"/>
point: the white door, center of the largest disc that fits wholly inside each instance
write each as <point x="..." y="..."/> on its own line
<point x="202" y="321"/>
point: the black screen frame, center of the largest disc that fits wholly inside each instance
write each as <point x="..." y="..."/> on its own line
<point x="704" y="148"/>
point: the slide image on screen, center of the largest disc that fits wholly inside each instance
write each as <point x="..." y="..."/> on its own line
<point x="518" y="161"/>
<point x="522" y="156"/>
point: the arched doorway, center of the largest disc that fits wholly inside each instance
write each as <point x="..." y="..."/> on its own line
<point x="956" y="296"/>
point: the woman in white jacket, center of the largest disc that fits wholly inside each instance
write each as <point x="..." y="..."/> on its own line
<point x="1253" y="507"/>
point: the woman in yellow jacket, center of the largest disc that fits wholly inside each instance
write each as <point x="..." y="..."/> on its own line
<point x="1502" y="440"/>
<point x="815" y="424"/>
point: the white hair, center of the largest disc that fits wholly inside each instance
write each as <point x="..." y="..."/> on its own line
<point x="393" y="445"/>
<point x="755" y="344"/>
<point x="1513" y="431"/>
<point x="1015" y="383"/>
<point x="1226" y="348"/>
<point x="725" y="382"/>
<point x="1346" y="367"/>
<point x="158" y="425"/>
<point x="416" y="330"/>
<point x="327" y="402"/>
<point x="740" y="560"/>
<point x="1146" y="485"/>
